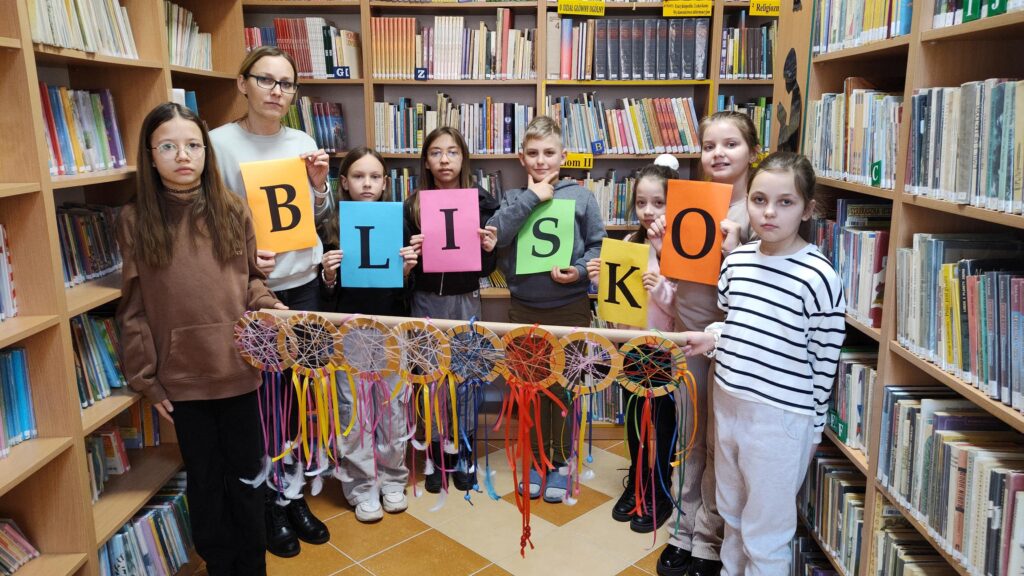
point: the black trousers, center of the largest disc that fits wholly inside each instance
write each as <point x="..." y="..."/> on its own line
<point x="664" y="412"/>
<point x="221" y="442"/>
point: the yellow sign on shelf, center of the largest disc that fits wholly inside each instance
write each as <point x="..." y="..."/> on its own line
<point x="581" y="7"/>
<point x="686" y="8"/>
<point x="578" y="160"/>
<point x="764" y="7"/>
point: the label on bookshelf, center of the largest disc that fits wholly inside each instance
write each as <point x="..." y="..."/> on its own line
<point x="342" y="72"/>
<point x="578" y="160"/>
<point x="597" y="147"/>
<point x="764" y="8"/>
<point x="420" y="74"/>
<point x="686" y="8"/>
<point x="581" y="7"/>
<point x="876" y="174"/>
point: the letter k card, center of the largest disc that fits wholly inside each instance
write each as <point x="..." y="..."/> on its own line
<point x="621" y="296"/>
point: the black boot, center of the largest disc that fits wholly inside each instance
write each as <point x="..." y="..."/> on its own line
<point x="432" y="481"/>
<point x="649" y="521"/>
<point x="307" y="527"/>
<point x="702" y="567"/>
<point x="674" y="561"/>
<point x="281" y="539"/>
<point x="623" y="509"/>
<point x="464" y="480"/>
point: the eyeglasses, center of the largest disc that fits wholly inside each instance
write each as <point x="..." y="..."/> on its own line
<point x="169" y="151"/>
<point x="267" y="83"/>
<point x="451" y="154"/>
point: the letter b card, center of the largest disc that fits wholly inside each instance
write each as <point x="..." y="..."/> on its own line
<point x="449" y="220"/>
<point x="282" y="208"/>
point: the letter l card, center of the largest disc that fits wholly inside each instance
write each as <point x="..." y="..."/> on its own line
<point x="371" y="236"/>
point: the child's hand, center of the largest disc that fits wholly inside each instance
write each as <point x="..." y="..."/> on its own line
<point x="416" y="241"/>
<point x="656" y="233"/>
<point x="164" y="408"/>
<point x="730" y="236"/>
<point x="409" y="258"/>
<point x="266" y="261"/>
<point x="331" y="261"/>
<point x="651" y="280"/>
<point x="594" y="269"/>
<point x="565" y="275"/>
<point x="698" y="343"/>
<point x="488" y="238"/>
<point x="317" y="164"/>
<point x="279" y="306"/>
<point x="543" y="188"/>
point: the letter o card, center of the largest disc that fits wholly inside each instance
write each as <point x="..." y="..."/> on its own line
<point x="450" y="220"/>
<point x="545" y="239"/>
<point x="282" y="207"/>
<point x="621" y="296"/>
<point x="371" y="236"/>
<point x="692" y="247"/>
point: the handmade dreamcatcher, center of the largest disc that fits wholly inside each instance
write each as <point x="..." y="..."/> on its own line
<point x="592" y="362"/>
<point x="652" y="367"/>
<point x="534" y="360"/>
<point x="477" y="359"/>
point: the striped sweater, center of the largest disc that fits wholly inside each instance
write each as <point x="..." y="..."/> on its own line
<point x="783" y="329"/>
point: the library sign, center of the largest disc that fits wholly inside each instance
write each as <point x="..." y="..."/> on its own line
<point x="764" y="7"/>
<point x="686" y="8"/>
<point x="581" y="7"/>
<point x="578" y="160"/>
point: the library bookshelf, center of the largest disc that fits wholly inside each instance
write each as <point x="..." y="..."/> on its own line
<point x="44" y="483"/>
<point x="924" y="58"/>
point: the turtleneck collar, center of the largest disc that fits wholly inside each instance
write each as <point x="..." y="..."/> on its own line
<point x="182" y="196"/>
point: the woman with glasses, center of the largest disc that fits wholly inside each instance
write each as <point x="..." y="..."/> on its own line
<point x="268" y="79"/>
<point x="444" y="165"/>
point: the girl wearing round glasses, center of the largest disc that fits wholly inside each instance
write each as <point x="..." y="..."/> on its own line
<point x="268" y="79"/>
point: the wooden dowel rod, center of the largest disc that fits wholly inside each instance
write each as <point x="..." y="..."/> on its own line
<point x="499" y="328"/>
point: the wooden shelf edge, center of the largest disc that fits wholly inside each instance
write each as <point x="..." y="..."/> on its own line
<point x="310" y="4"/>
<point x="747" y="82"/>
<point x="27" y="458"/>
<point x="15" y="329"/>
<point x="451" y="5"/>
<point x="213" y="74"/>
<point x="18" y="188"/>
<point x="331" y="82"/>
<point x="126" y="494"/>
<point x="871" y="49"/>
<point x="90" y="178"/>
<point x="922" y="529"/>
<point x="817" y="539"/>
<point x="965" y="210"/>
<point x="53" y="565"/>
<point x="8" y="42"/>
<point x="873" y="333"/>
<point x="396" y="82"/>
<point x="104" y="410"/>
<point x="858" y="188"/>
<point x="855" y="456"/>
<point x="628" y="82"/>
<point x="96" y="292"/>
<point x="415" y="156"/>
<point x="47" y="53"/>
<point x="494" y="293"/>
<point x="1001" y="411"/>
<point x="982" y="25"/>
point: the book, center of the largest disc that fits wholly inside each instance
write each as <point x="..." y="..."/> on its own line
<point x="489" y="127"/>
<point x="17" y="412"/>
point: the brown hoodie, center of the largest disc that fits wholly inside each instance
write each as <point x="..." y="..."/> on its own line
<point x="177" y="339"/>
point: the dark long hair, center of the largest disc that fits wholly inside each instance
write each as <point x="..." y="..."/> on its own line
<point x="327" y="228"/>
<point x="412" y="203"/>
<point x="662" y="174"/>
<point x="217" y="212"/>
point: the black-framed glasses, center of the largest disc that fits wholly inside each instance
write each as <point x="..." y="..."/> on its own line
<point x="267" y="83"/>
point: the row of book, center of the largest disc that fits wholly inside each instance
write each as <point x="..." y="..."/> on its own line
<point x="808" y="559"/>
<point x="100" y="26"/>
<point x="450" y="51"/>
<point x="323" y="121"/>
<point x="849" y="414"/>
<point x="840" y="24"/>
<point x="88" y="243"/>
<point x="97" y="367"/>
<point x="831" y="502"/>
<point x="186" y="45"/>
<point x="157" y="541"/>
<point x="17" y="414"/>
<point x="82" y="133"/>
<point x="958" y="471"/>
<point x="960" y="306"/>
<point x="318" y="46"/>
<point x="965" y="144"/>
<point x="613" y="197"/>
<point x="853" y="134"/>
<point x="105" y="456"/>
<point x="636" y="126"/>
<point x="488" y="127"/>
<point x="627" y="49"/>
<point x="748" y="52"/>
<point x="900" y="550"/>
<point x="955" y="12"/>
<point x="186" y="98"/>
<point x="8" y="295"/>
<point x="402" y="182"/>
<point x="760" y="111"/>
<point x="15" y="549"/>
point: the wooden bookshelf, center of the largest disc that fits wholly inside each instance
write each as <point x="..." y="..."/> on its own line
<point x="124" y="495"/>
<point x="92" y="178"/>
<point x="628" y="82"/>
<point x="285" y="6"/>
<point x="910" y="517"/>
<point x="200" y="73"/>
<point x="28" y="457"/>
<point x="471" y="7"/>
<point x="53" y="565"/>
<point x="825" y="549"/>
<point x="874" y="333"/>
<point x="10" y="43"/>
<point x="858" y="188"/>
<point x="21" y="327"/>
<point x="51" y="55"/>
<point x="16" y="188"/>
<point x="966" y="211"/>
<point x="89" y="295"/>
<point x="103" y="411"/>
<point x="993" y="27"/>
<point x="869" y="51"/>
<point x="852" y="454"/>
<point x="747" y="82"/>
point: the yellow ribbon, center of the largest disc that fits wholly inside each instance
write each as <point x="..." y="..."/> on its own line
<point x="355" y="403"/>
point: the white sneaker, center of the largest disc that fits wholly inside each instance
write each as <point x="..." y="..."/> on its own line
<point x="369" y="511"/>
<point x="395" y="502"/>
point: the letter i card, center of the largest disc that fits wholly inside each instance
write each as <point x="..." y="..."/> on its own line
<point x="281" y="203"/>
<point x="621" y="296"/>
<point x="449" y="220"/>
<point x="371" y="236"/>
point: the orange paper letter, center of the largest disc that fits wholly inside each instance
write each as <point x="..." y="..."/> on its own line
<point x="282" y="209"/>
<point x="692" y="248"/>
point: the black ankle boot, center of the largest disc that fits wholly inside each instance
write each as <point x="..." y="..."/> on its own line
<point x="702" y="567"/>
<point x="464" y="480"/>
<point x="281" y="539"/>
<point x="307" y="527"/>
<point x="623" y="509"/>
<point x="432" y="481"/>
<point x="649" y="522"/>
<point x="674" y="561"/>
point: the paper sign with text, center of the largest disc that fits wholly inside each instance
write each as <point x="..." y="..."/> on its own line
<point x="765" y="7"/>
<point x="281" y="205"/>
<point x="371" y="236"/>
<point x="581" y="7"/>
<point x="545" y="239"/>
<point x="692" y="247"/>
<point x="621" y="296"/>
<point x="450" y="220"/>
<point x="686" y="8"/>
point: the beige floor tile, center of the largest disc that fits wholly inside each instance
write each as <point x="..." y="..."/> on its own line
<point x="493" y="528"/>
<point x="619" y="448"/>
<point x="427" y="553"/>
<point x="360" y="541"/>
<point x="566" y="552"/>
<point x="492" y="570"/>
<point x="616" y="537"/>
<point x="561" y="514"/>
<point x="633" y="571"/>
<point x="650" y="561"/>
<point x="609" y="470"/>
<point x="330" y="502"/>
<point x="314" y="560"/>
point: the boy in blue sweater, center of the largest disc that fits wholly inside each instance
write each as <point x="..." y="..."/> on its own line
<point x="558" y="297"/>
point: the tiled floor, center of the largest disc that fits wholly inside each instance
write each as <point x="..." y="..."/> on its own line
<point x="482" y="538"/>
